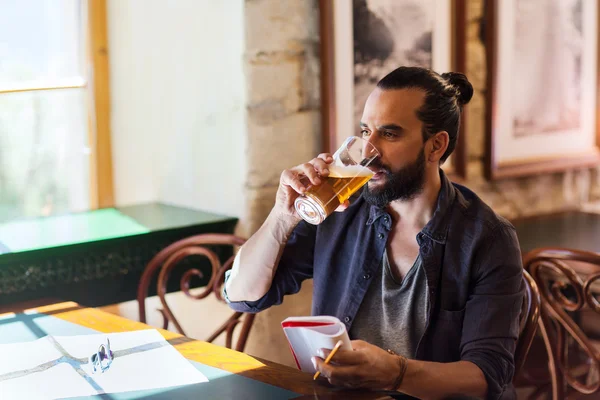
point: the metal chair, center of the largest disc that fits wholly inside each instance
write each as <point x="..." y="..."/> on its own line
<point x="175" y="253"/>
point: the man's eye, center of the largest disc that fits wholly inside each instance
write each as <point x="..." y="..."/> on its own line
<point x="388" y="134"/>
<point x="365" y="132"/>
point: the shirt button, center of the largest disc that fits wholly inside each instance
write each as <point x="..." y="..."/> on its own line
<point x="347" y="319"/>
<point x="366" y="276"/>
<point x="386" y="219"/>
<point x="380" y="236"/>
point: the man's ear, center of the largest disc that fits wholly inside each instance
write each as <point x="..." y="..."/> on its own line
<point x="438" y="146"/>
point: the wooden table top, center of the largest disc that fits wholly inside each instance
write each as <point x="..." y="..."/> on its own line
<point x="210" y="354"/>
<point x="571" y="229"/>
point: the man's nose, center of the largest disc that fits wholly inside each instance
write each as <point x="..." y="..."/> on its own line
<point x="371" y="146"/>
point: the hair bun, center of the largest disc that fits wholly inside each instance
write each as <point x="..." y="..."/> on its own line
<point x="461" y="84"/>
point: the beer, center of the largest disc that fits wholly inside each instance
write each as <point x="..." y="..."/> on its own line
<point x="347" y="174"/>
<point x="320" y="201"/>
<point x="346" y="180"/>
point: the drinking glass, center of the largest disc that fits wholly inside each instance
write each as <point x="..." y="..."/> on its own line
<point x="347" y="174"/>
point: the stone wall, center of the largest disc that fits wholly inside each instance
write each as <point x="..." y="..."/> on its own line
<point x="282" y="70"/>
<point x="283" y="106"/>
<point x="284" y="117"/>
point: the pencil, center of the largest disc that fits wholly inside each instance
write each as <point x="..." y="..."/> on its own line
<point x="329" y="357"/>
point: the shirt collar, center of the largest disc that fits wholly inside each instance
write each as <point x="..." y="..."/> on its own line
<point x="437" y="227"/>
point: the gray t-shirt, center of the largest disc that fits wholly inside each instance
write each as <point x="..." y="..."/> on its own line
<point x="393" y="314"/>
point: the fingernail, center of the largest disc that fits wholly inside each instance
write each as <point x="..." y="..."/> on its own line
<point x="314" y="361"/>
<point x="321" y="353"/>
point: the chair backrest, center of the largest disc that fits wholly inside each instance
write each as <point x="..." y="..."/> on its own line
<point x="172" y="255"/>
<point x="530" y="314"/>
<point x="567" y="281"/>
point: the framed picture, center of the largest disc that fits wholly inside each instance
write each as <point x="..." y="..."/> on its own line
<point x="364" y="40"/>
<point x="542" y="86"/>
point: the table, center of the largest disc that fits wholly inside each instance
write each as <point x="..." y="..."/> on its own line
<point x="572" y="229"/>
<point x="238" y="364"/>
<point x="97" y="257"/>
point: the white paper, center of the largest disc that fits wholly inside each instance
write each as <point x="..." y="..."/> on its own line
<point x="143" y="360"/>
<point x="307" y="340"/>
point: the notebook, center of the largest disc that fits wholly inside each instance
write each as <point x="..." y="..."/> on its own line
<point x="306" y="335"/>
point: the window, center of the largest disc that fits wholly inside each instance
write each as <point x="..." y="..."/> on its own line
<point x="54" y="137"/>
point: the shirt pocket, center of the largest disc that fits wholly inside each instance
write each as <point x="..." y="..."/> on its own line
<point x="448" y="334"/>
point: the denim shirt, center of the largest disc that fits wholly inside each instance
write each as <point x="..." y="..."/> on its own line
<point x="474" y="273"/>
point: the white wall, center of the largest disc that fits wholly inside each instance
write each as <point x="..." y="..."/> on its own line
<point x="178" y="102"/>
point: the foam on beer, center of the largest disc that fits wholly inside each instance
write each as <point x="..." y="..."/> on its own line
<point x="348" y="171"/>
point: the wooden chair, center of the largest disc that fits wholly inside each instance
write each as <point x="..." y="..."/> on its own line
<point x="530" y="314"/>
<point x="567" y="282"/>
<point x="175" y="253"/>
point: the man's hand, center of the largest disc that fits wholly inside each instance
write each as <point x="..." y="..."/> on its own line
<point x="297" y="180"/>
<point x="366" y="366"/>
<point x="370" y="367"/>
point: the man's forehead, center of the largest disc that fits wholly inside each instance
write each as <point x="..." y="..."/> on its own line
<point x="399" y="103"/>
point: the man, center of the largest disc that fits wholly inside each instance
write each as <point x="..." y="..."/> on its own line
<point x="416" y="264"/>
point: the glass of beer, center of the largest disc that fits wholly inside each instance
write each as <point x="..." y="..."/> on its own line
<point x="347" y="173"/>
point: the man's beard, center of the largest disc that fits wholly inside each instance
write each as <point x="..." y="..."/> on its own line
<point x="402" y="185"/>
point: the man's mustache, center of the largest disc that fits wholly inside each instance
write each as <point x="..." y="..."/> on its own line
<point x="377" y="164"/>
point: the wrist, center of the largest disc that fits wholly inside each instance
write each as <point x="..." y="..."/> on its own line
<point x="400" y="365"/>
<point x="283" y="222"/>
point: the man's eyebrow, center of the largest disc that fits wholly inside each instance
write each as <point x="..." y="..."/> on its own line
<point x="390" y="127"/>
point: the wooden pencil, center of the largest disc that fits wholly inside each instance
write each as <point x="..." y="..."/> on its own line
<point x="329" y="357"/>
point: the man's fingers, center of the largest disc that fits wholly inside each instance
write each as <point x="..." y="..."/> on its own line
<point x="343" y="206"/>
<point x="309" y="171"/>
<point x="326" y="157"/>
<point x="313" y="172"/>
<point x="291" y="179"/>
<point x="338" y="375"/>
<point x="344" y="357"/>
<point x="321" y="166"/>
